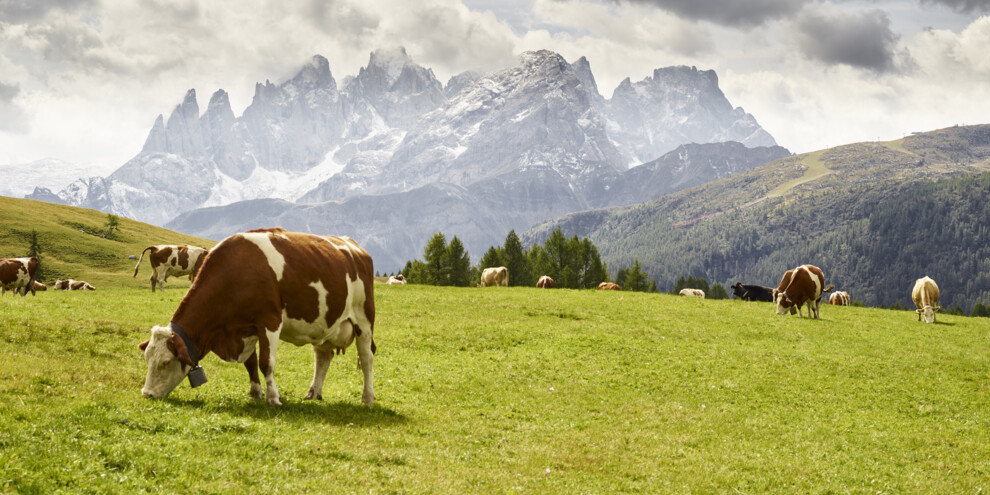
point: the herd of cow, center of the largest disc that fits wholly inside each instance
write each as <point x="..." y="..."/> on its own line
<point x="263" y="286"/>
<point x="18" y="275"/>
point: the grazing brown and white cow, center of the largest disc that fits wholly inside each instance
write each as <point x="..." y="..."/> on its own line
<point x="17" y="274"/>
<point x="693" y="293"/>
<point x="545" y="282"/>
<point x="396" y="280"/>
<point x="798" y="286"/>
<point x="839" y="298"/>
<point x="172" y="260"/>
<point x="257" y="288"/>
<point x="925" y="295"/>
<point x="72" y="285"/>
<point x="609" y="286"/>
<point x="495" y="277"/>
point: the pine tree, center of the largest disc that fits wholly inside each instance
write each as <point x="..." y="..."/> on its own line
<point x="458" y="264"/>
<point x="980" y="310"/>
<point x="515" y="261"/>
<point x="34" y="251"/>
<point x="434" y="257"/>
<point x="492" y="258"/>
<point x="717" y="292"/>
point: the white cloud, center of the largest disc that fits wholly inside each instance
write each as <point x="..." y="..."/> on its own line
<point x="92" y="76"/>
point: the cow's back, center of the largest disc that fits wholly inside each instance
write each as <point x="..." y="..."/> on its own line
<point x="264" y="275"/>
<point x="925" y="292"/>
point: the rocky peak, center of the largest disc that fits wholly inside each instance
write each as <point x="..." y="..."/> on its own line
<point x="394" y="88"/>
<point x="219" y="107"/>
<point x="457" y="82"/>
<point x="315" y="74"/>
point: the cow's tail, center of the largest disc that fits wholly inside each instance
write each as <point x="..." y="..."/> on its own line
<point x="31" y="283"/>
<point x="138" y="265"/>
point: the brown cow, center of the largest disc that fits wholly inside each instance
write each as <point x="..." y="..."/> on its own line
<point x="172" y="260"/>
<point x="495" y="277"/>
<point x="17" y="274"/>
<point x="38" y="286"/>
<point x="545" y="282"/>
<point x="799" y="286"/>
<point x="839" y="298"/>
<point x="72" y="285"/>
<point x="925" y="296"/>
<point x="257" y="288"/>
<point x="608" y="286"/>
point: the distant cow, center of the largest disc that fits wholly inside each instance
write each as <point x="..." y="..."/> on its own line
<point x="799" y="286"/>
<point x="608" y="286"/>
<point x="693" y="293"/>
<point x="261" y="287"/>
<point x="498" y="276"/>
<point x="752" y="292"/>
<point x="72" y="285"/>
<point x="545" y="282"/>
<point x="39" y="286"/>
<point x="925" y="296"/>
<point x="839" y="298"/>
<point x="172" y="260"/>
<point x="396" y="280"/>
<point x="17" y="274"/>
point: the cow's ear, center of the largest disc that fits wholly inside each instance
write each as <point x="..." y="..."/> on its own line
<point x="919" y="311"/>
<point x="179" y="347"/>
<point x="144" y="345"/>
<point x="938" y="308"/>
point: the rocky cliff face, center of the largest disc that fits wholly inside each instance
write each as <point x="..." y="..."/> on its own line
<point x="511" y="148"/>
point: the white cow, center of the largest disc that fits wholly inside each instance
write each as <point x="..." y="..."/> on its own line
<point x="693" y="293"/>
<point x="925" y="296"/>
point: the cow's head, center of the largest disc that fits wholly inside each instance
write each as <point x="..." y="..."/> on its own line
<point x="784" y="303"/>
<point x="928" y="312"/>
<point x="168" y="362"/>
<point x="738" y="290"/>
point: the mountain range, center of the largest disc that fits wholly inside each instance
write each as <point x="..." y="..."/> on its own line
<point x="875" y="216"/>
<point x="476" y="157"/>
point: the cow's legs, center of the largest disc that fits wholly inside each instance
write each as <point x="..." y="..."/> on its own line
<point x="268" y="344"/>
<point x="252" y="369"/>
<point x="323" y="357"/>
<point x="366" y="360"/>
<point x="154" y="282"/>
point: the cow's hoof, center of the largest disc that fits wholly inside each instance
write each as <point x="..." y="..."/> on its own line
<point x="313" y="396"/>
<point x="368" y="399"/>
<point x="256" y="391"/>
<point x="274" y="402"/>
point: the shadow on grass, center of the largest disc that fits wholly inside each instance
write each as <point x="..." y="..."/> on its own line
<point x="338" y="412"/>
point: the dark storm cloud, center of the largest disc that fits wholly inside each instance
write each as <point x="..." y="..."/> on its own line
<point x="962" y="6"/>
<point x="23" y="11"/>
<point x="734" y="13"/>
<point x="13" y="118"/>
<point x="862" y="40"/>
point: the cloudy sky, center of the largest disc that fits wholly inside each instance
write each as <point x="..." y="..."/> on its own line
<point x="83" y="80"/>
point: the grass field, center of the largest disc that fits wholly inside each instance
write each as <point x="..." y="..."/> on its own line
<point x="505" y="391"/>
<point x="72" y="246"/>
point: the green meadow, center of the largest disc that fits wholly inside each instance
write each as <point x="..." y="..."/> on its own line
<point x="508" y="390"/>
<point x="73" y="246"/>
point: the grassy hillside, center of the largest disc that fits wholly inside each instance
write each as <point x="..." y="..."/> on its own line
<point x="836" y="208"/>
<point x="72" y="246"/>
<point x="555" y="391"/>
